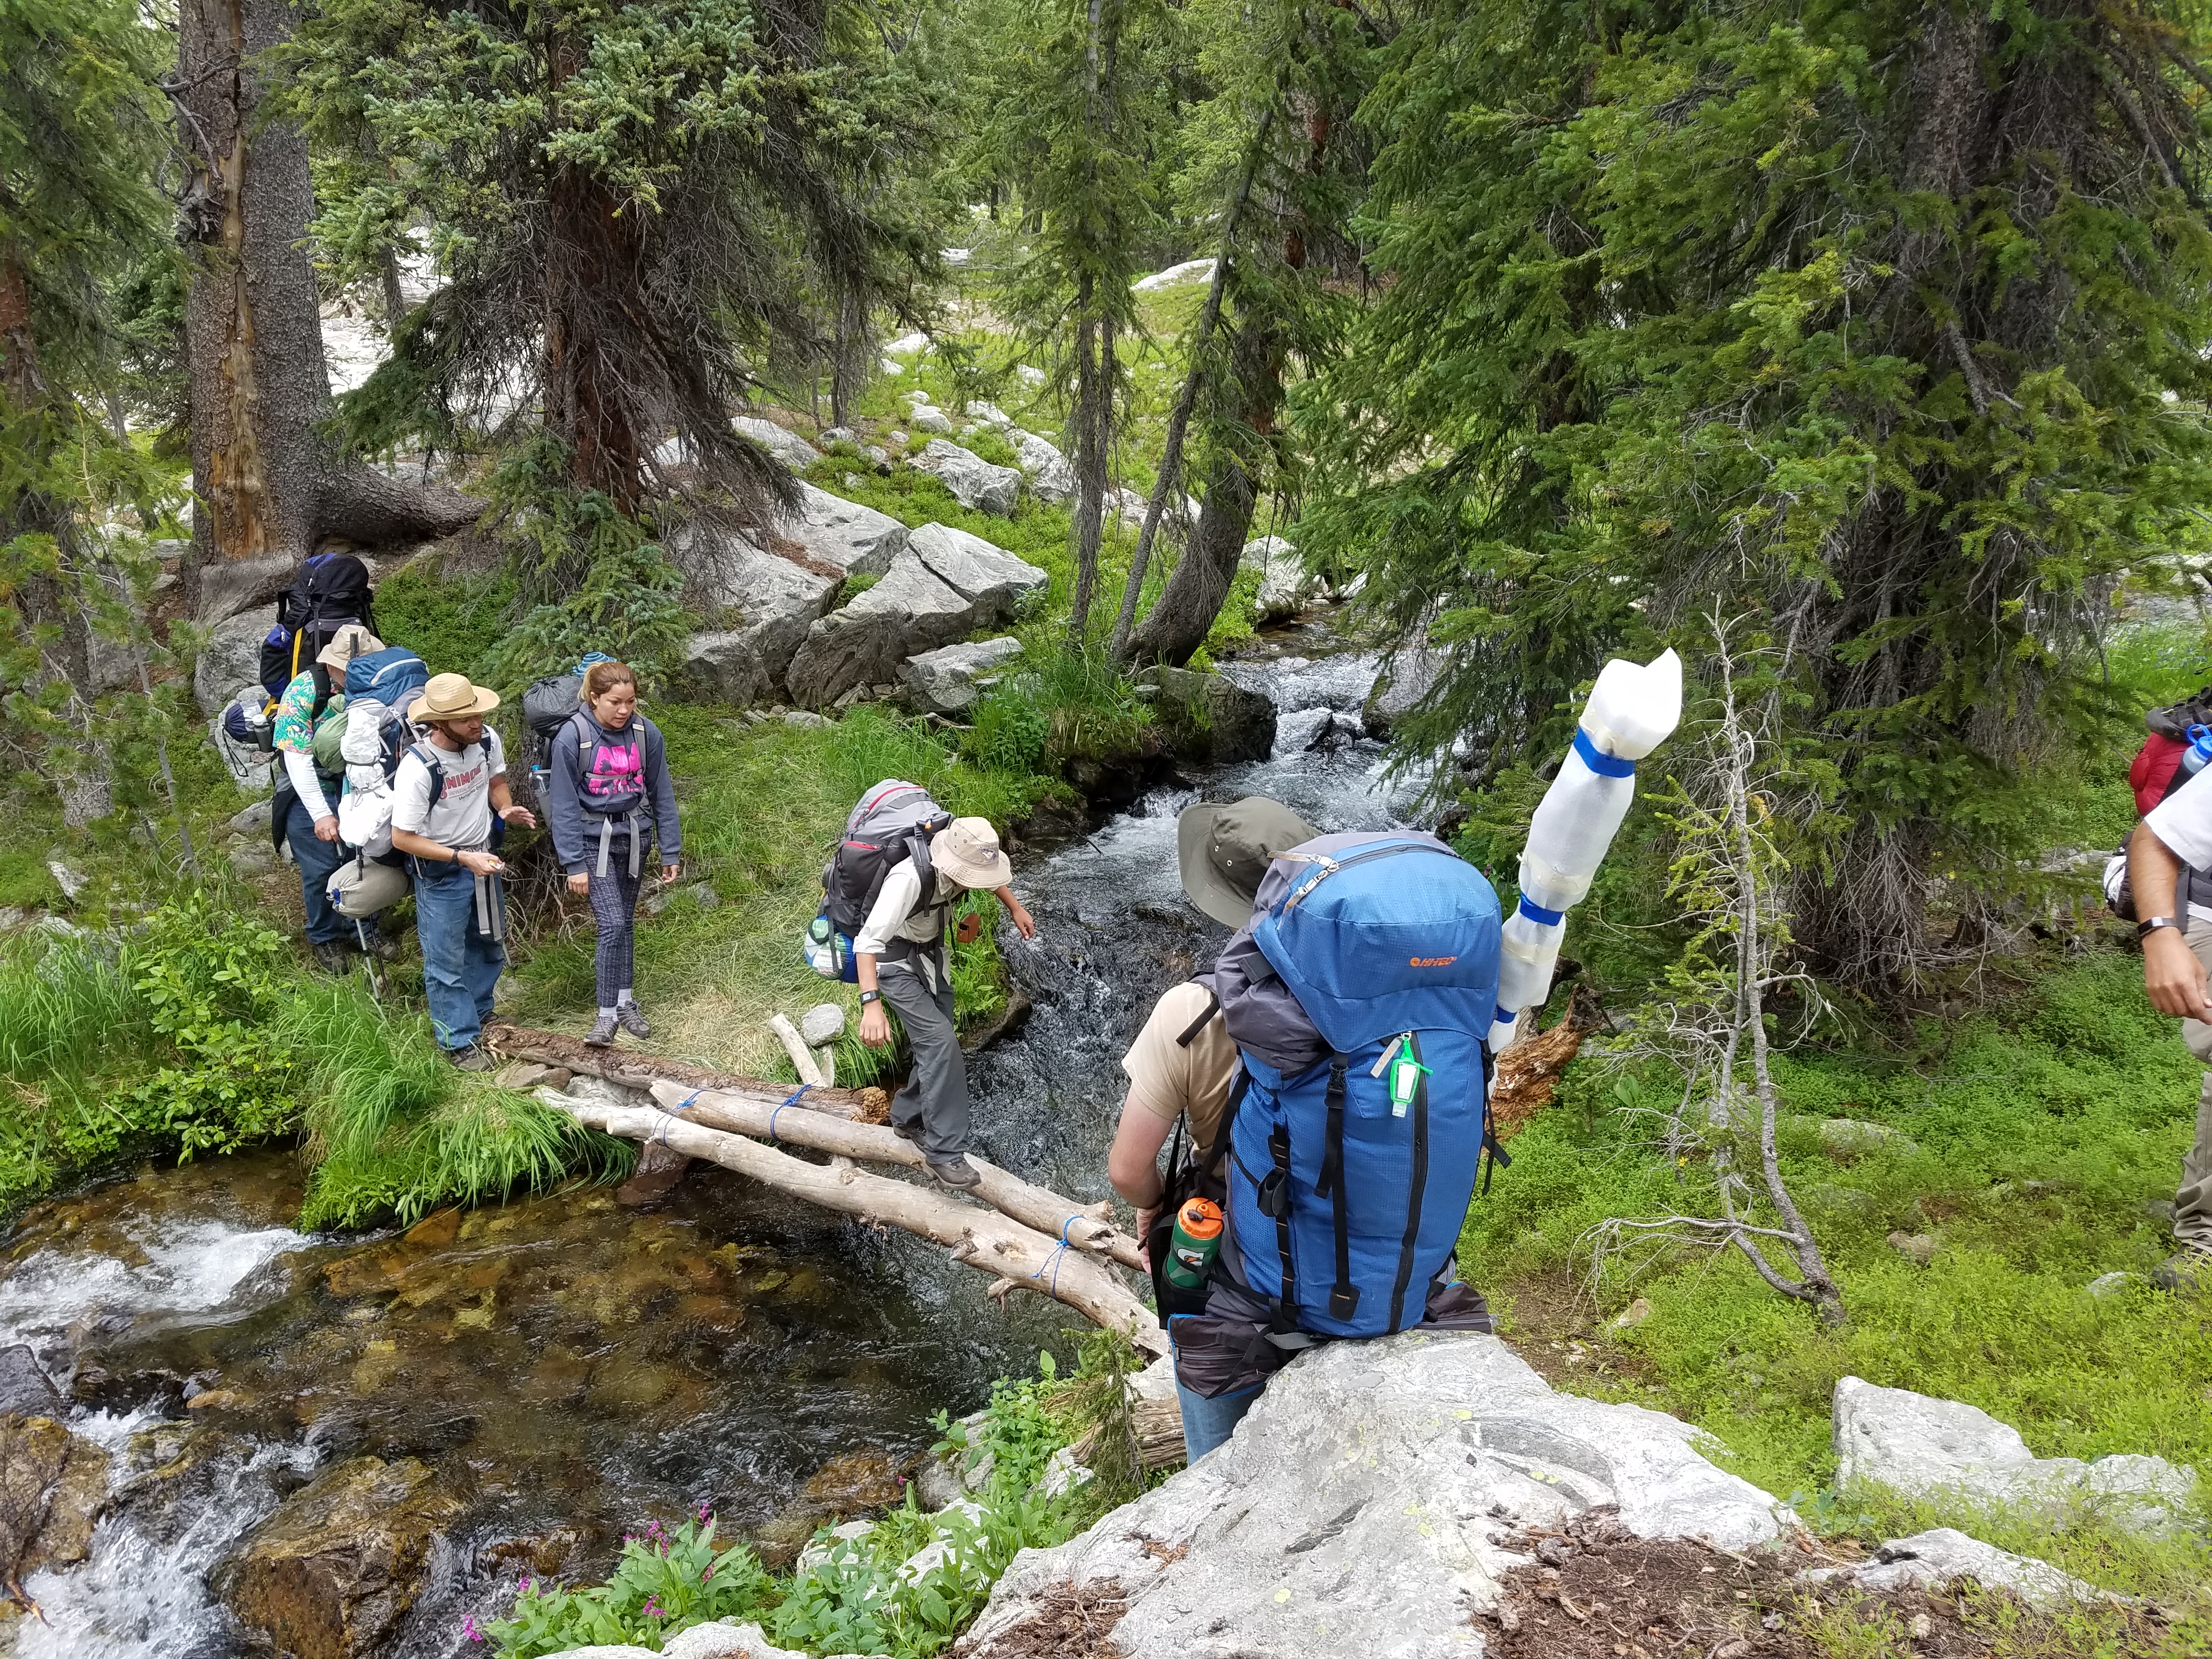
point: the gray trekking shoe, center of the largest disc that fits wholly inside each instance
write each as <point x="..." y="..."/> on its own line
<point x="907" y="1132"/>
<point x="471" y="1059"/>
<point x="628" y="1017"/>
<point x="956" y="1172"/>
<point x="603" y="1032"/>
<point x="2184" y="1270"/>
<point x="331" y="956"/>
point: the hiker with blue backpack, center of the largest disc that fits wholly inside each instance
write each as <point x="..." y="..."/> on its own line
<point x="1358" y="993"/>
<point x="450" y="802"/>
<point x="304" y="810"/>
<point x="610" y="798"/>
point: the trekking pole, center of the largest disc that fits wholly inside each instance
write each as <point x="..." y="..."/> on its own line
<point x="368" y="961"/>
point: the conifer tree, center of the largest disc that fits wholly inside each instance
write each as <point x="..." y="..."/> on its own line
<point x="1886" y="323"/>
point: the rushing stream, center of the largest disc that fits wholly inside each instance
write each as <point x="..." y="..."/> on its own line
<point x="569" y="1367"/>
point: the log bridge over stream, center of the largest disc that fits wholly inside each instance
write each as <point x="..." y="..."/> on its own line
<point x="1023" y="1236"/>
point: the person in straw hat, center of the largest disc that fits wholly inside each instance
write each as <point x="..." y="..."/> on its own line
<point x="304" y="810"/>
<point x="448" y="794"/>
<point x="900" y="955"/>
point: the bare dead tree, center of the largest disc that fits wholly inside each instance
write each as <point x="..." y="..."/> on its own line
<point x="1731" y="874"/>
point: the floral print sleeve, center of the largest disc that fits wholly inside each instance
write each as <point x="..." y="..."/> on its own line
<point x="295" y="725"/>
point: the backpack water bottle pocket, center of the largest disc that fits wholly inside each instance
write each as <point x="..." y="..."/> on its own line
<point x="829" y="952"/>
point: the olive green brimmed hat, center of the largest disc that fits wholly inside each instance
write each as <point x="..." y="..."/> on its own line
<point x="1223" y="851"/>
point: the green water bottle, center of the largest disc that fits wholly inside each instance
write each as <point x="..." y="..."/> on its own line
<point x="1191" y="1245"/>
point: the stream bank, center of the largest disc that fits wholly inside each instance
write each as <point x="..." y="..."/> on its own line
<point x="564" y="1368"/>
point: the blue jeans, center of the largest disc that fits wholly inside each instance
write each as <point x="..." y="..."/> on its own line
<point x="318" y="861"/>
<point x="1207" y="1423"/>
<point x="459" y="965"/>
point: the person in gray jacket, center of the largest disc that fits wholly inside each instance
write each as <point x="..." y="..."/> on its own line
<point x="610" y="798"/>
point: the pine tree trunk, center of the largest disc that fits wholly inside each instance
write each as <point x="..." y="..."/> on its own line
<point x="1090" y="479"/>
<point x="848" y="374"/>
<point x="592" y="266"/>
<point x="268" y="487"/>
<point x="1178" y="625"/>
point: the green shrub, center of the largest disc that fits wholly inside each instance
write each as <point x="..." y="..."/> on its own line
<point x="451" y="622"/>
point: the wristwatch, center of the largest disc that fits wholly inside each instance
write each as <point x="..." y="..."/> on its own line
<point x="2150" y="925"/>
<point x="868" y="997"/>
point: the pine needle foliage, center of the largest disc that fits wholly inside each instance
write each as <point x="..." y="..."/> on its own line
<point x="1887" y="323"/>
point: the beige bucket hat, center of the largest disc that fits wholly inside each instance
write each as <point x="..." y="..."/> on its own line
<point x="451" y="697"/>
<point x="1224" y="852"/>
<point x="350" y="642"/>
<point x="967" y="850"/>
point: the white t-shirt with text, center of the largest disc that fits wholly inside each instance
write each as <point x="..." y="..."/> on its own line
<point x="462" y="818"/>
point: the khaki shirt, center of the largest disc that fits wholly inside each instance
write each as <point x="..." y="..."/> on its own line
<point x="1171" y="1081"/>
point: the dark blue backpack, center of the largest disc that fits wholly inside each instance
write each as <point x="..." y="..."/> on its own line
<point x="1350" y="1177"/>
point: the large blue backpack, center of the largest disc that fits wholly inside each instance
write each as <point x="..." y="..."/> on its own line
<point x="1350" y="1175"/>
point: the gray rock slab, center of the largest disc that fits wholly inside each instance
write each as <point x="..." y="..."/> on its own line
<point x="788" y="447"/>
<point x="910" y="611"/>
<point x="823" y="1023"/>
<point x="766" y="603"/>
<point x="1353" y="1512"/>
<point x="933" y="421"/>
<point x="231" y="658"/>
<point x="856" y="538"/>
<point x="253" y="819"/>
<point x="989" y="414"/>
<point x="1925" y="1447"/>
<point x="949" y="680"/>
<point x="1206" y="716"/>
<point x="1286" y="586"/>
<point x="1051" y="478"/>
<point x="1927" y="1559"/>
<point x="974" y="483"/>
<point x="986" y="574"/>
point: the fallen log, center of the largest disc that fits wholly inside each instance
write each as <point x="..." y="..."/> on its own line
<point x="640" y="1072"/>
<point x="802" y="1057"/>
<point x="1528" y="1072"/>
<point x="1084" y="1226"/>
<point x="985" y="1240"/>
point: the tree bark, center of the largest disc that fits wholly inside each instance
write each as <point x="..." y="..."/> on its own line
<point x="268" y="487"/>
<point x="1016" y="1257"/>
<point x="849" y="373"/>
<point x="641" y="1071"/>
<point x="1091" y="454"/>
<point x="594" y="257"/>
<point x="1179" y="623"/>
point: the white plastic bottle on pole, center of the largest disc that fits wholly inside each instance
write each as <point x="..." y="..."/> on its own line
<point x="1631" y="710"/>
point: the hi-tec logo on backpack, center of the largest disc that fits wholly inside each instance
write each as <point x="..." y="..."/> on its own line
<point x="1430" y="962"/>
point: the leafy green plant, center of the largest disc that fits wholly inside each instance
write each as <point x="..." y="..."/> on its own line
<point x="666" y="1582"/>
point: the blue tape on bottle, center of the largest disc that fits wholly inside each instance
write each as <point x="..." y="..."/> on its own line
<point x="1537" y="913"/>
<point x="1605" y="765"/>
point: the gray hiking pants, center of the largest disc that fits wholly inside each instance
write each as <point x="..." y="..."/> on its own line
<point x="936" y="1096"/>
<point x="2192" y="1204"/>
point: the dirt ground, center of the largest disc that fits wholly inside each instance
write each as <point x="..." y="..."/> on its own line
<point x="1604" y="1595"/>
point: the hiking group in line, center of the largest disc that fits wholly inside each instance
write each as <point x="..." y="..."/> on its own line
<point x="391" y="780"/>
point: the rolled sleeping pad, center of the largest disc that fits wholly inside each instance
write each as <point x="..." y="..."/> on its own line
<point x="1632" y="709"/>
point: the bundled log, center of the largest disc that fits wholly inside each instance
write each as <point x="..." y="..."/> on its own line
<point x="1084" y="1226"/>
<point x="641" y="1071"/>
<point x="1015" y="1256"/>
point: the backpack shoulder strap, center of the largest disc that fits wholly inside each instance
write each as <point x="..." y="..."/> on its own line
<point x="424" y="751"/>
<point x="323" y="690"/>
<point x="1190" y="1031"/>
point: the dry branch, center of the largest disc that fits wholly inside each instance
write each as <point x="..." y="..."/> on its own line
<point x="641" y="1071"/>
<point x="1084" y="1226"/>
<point x="982" y="1239"/>
<point x="802" y="1057"/>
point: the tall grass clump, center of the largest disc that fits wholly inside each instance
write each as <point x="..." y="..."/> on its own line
<point x="66" y="1004"/>
<point x="393" y="1130"/>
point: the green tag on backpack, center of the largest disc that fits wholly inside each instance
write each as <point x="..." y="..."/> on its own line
<point x="1406" y="1074"/>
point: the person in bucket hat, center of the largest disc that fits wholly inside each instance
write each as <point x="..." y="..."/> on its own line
<point x="449" y="796"/>
<point x="1183" y="1066"/>
<point x="900" y="955"/>
<point x="304" y="808"/>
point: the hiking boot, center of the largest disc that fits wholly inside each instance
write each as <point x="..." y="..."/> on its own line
<point x="2188" y="1269"/>
<point x="603" y="1032"/>
<point x="331" y="956"/>
<point x="908" y="1131"/>
<point x="471" y="1059"/>
<point x="627" y="1016"/>
<point x="956" y="1172"/>
<point x="378" y="946"/>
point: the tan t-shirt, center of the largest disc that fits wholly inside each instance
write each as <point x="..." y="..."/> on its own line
<point x="1169" y="1081"/>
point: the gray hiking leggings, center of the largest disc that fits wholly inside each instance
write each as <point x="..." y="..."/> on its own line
<point x="614" y="906"/>
<point x="936" y="1095"/>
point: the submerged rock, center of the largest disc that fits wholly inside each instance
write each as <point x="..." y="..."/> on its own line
<point x="1368" y="1503"/>
<point x="329" y="1574"/>
<point x="24" y="1390"/>
<point x="855" y="1482"/>
<point x="1924" y="1447"/>
<point x="53" y="1486"/>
